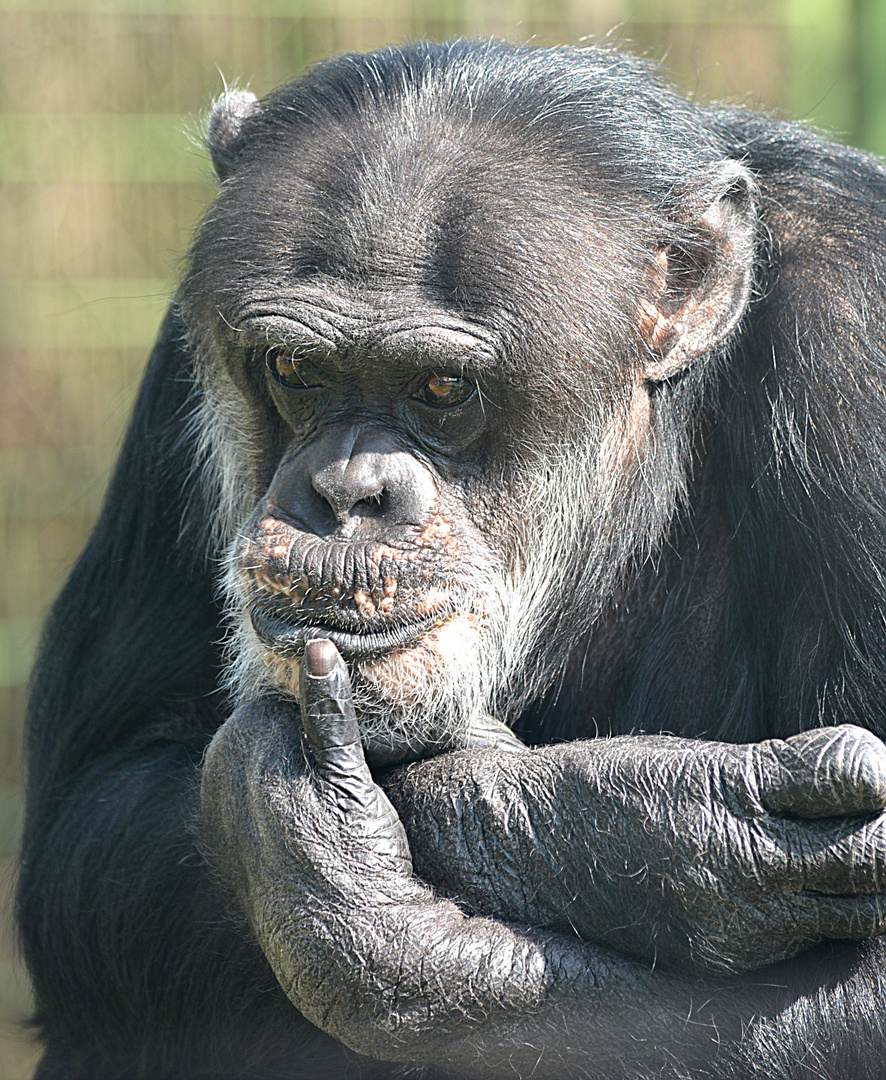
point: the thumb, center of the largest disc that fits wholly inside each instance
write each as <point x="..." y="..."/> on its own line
<point x="330" y="723"/>
<point x="826" y="772"/>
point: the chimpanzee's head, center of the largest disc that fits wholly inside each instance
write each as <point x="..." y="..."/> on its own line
<point x="450" y="309"/>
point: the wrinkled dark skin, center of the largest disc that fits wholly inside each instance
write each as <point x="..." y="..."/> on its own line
<point x="693" y="855"/>
<point x="697" y="855"/>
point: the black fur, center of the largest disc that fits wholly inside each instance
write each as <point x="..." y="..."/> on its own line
<point x="761" y="612"/>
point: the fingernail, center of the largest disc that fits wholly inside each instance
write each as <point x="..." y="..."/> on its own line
<point x="321" y="657"/>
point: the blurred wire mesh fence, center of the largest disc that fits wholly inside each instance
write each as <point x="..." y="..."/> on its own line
<point x="102" y="180"/>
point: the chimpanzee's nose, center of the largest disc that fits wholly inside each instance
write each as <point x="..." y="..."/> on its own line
<point x="346" y="483"/>
<point x="355" y="478"/>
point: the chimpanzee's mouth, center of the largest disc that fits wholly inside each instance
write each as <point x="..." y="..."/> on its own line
<point x="287" y="638"/>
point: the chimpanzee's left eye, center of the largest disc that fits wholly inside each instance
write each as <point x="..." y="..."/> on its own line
<point x="445" y="391"/>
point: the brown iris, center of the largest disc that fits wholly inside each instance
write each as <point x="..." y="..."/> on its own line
<point x="286" y="369"/>
<point x="445" y="391"/>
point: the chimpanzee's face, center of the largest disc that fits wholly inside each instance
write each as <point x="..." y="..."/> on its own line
<point x="376" y="529"/>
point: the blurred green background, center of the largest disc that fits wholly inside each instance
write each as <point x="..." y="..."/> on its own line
<point x="101" y="183"/>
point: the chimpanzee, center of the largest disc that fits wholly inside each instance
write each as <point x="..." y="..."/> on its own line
<point x="478" y="666"/>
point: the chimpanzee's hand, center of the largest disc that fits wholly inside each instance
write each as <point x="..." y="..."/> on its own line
<point x="693" y="854"/>
<point x="316" y="860"/>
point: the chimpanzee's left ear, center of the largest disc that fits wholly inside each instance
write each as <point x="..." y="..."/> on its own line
<point x="702" y="282"/>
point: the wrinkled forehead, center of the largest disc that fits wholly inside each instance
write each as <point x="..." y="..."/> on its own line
<point x="426" y="202"/>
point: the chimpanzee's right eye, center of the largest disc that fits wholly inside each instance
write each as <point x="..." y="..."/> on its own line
<point x="288" y="370"/>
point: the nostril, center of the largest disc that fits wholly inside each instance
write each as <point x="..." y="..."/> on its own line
<point x="372" y="505"/>
<point x="346" y="492"/>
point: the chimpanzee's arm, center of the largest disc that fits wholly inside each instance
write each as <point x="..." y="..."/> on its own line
<point x="142" y="969"/>
<point x="318" y="861"/>
<point x="690" y="854"/>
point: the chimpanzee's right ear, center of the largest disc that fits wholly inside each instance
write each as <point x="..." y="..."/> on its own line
<point x="225" y="129"/>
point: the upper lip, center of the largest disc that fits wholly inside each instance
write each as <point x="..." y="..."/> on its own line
<point x="284" y="635"/>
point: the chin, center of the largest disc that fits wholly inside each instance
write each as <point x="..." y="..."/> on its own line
<point x="411" y="701"/>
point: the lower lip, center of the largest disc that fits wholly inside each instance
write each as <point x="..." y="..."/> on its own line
<point x="283" y="637"/>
